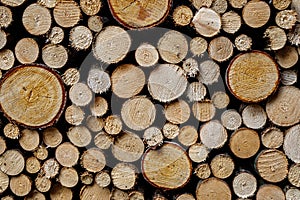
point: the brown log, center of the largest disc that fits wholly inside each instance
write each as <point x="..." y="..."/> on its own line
<point x="12" y="162"/>
<point x="172" y="47"/>
<point x="256" y="13"/>
<point x="68" y="177"/>
<point x="213" y="135"/>
<point x="58" y="192"/>
<point x="220" y="49"/>
<point x="35" y="195"/>
<point x="3" y="145"/>
<point x="128" y="147"/>
<point x="231" y="22"/>
<point x="52" y="137"/>
<point x="238" y="3"/>
<point x="288" y="77"/>
<point x="98" y="80"/>
<point x="272" y="165"/>
<point x="6" y="17"/>
<point x="111" y="45"/>
<point x="80" y="136"/>
<point x="86" y="178"/>
<point x="124" y="176"/>
<point x="196" y="91"/>
<point x="287" y="57"/>
<point x="243" y="42"/>
<point x="11" y="131"/>
<point x="204" y="110"/>
<point x="36" y="26"/>
<point x="74" y="115"/>
<point x="198" y="152"/>
<point x="270" y="191"/>
<point x="281" y="5"/>
<point x="222" y="166"/>
<point x="276" y="37"/>
<point x="7" y="59"/>
<point x="203" y="171"/>
<point x="165" y="171"/>
<point x="294" y="175"/>
<point x="66" y="8"/>
<point x="136" y="195"/>
<point x="170" y="130"/>
<point x="283" y="108"/>
<point x="32" y="165"/>
<point x="286" y="19"/>
<point x="153" y="137"/>
<point x="127" y="81"/>
<point x="261" y="79"/>
<point x="42" y="183"/>
<point x="95" y="23"/>
<point x="41" y="152"/>
<point x="244" y="185"/>
<point x="103" y="141"/>
<point x="50" y="168"/>
<point x="94" y="124"/>
<point x="113" y="125"/>
<point x="71" y="76"/>
<point x="207" y="22"/>
<point x="182" y="15"/>
<point x="29" y="139"/>
<point x="3" y="38"/>
<point x="185" y="196"/>
<point x="4" y="182"/>
<point x="272" y="137"/>
<point x="188" y="135"/>
<point x="80" y="94"/>
<point x="254" y="116"/>
<point x="94" y="192"/>
<point x="231" y="119"/>
<point x="80" y="38"/>
<point x="201" y="3"/>
<point x="220" y="99"/>
<point x="90" y="7"/>
<point x="146" y="55"/>
<point x="117" y="194"/>
<point x="244" y="143"/>
<point x="27" y="50"/>
<point x="213" y="188"/>
<point x="177" y="112"/>
<point x="190" y="66"/>
<point x="103" y="179"/>
<point x="99" y="106"/>
<point x="93" y="160"/>
<point x="290" y="145"/>
<point x="209" y="72"/>
<point x="67" y="154"/>
<point x="140" y="14"/>
<point x="20" y="185"/>
<point x="198" y="46"/>
<point x="220" y="6"/>
<point x="56" y="35"/>
<point x="47" y="3"/>
<point x="54" y="55"/>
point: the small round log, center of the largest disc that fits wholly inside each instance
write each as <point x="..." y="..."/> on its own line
<point x="50" y="168"/>
<point x="52" y="137"/>
<point x="198" y="152"/>
<point x="177" y="112"/>
<point x="220" y="49"/>
<point x="86" y="178"/>
<point x="90" y="7"/>
<point x="256" y="13"/>
<point x="66" y="13"/>
<point x="93" y="160"/>
<point x="20" y="185"/>
<point x="196" y="91"/>
<point x="3" y="145"/>
<point x="220" y="99"/>
<point x="270" y="191"/>
<point x="213" y="188"/>
<point x="153" y="137"/>
<point x="238" y="3"/>
<point x="54" y="55"/>
<point x="244" y="185"/>
<point x="56" y="35"/>
<point x="231" y="119"/>
<point x="3" y="38"/>
<point x="11" y="131"/>
<point x="222" y="166"/>
<point x="286" y="19"/>
<point x="201" y="3"/>
<point x="27" y="50"/>
<point x="185" y="196"/>
<point x="188" y="135"/>
<point x="272" y="138"/>
<point x="136" y="195"/>
<point x="4" y="182"/>
<point x="41" y="152"/>
<point x="276" y="37"/>
<point x="48" y="3"/>
<point x="287" y="57"/>
<point x="294" y="175"/>
<point x="281" y="4"/>
<point x="29" y="139"/>
<point x="95" y="23"/>
<point x="99" y="106"/>
<point x="117" y="194"/>
<point x="190" y="66"/>
<point x="292" y="193"/>
<point x="204" y="110"/>
<point x="94" y="192"/>
<point x="103" y="179"/>
<point x="74" y="115"/>
<point x="289" y="77"/>
<point x="7" y="59"/>
<point x="6" y="17"/>
<point x="220" y="6"/>
<point x="254" y="116"/>
<point x="243" y="42"/>
<point x="202" y="171"/>
<point x="98" y="80"/>
<point x="58" y="192"/>
<point x="80" y="136"/>
<point x="35" y="195"/>
<point x="12" y="162"/>
<point x="146" y="55"/>
<point x="42" y="183"/>
<point x="103" y="141"/>
<point x="32" y="165"/>
<point x="291" y="143"/>
<point x="68" y="177"/>
<point x="124" y="176"/>
<point x="198" y="46"/>
<point x="113" y="125"/>
<point x="80" y="94"/>
<point x="231" y="22"/>
<point x="213" y="134"/>
<point x="80" y="38"/>
<point x="67" y="154"/>
<point x="71" y="76"/>
<point x="94" y="124"/>
<point x="182" y="15"/>
<point x="209" y="72"/>
<point x="170" y="131"/>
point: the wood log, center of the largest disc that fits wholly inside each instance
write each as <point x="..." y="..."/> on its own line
<point x="209" y="72"/>
<point x="173" y="47"/>
<point x="103" y="141"/>
<point x="231" y="119"/>
<point x="294" y="35"/>
<point x="80" y="94"/>
<point x="127" y="81"/>
<point x="136" y="195"/>
<point x="3" y="145"/>
<point x="3" y="39"/>
<point x="41" y="152"/>
<point x="238" y="3"/>
<point x="86" y="178"/>
<point x="244" y="185"/>
<point x="196" y="91"/>
<point x="33" y="25"/>
<point x="203" y="171"/>
<point x="7" y="59"/>
<point x="190" y="66"/>
<point x="220" y="6"/>
<point x="113" y="125"/>
<point x="295" y="6"/>
<point x="95" y="23"/>
<point x="12" y="162"/>
<point x="256" y="13"/>
<point x="90" y="7"/>
<point x="286" y="19"/>
<point x="67" y="154"/>
<point x="281" y="5"/>
<point x="153" y="137"/>
<point x="165" y="171"/>
<point x="74" y="115"/>
<point x="93" y="160"/>
<point x="80" y="136"/>
<point x="177" y="112"/>
<point x="185" y="196"/>
<point x="170" y="130"/>
<point x="20" y="185"/>
<point x="11" y="131"/>
<point x="198" y="45"/>
<point x="99" y="106"/>
<point x="68" y="177"/>
<point x="290" y="144"/>
<point x="52" y="137"/>
<point x="220" y="49"/>
<point x="32" y="165"/>
<point x="27" y="50"/>
<point x="58" y="192"/>
<point x="140" y="14"/>
<point x="8" y="197"/>
<point x="4" y="182"/>
<point x="71" y="76"/>
<point x="94" y="124"/>
<point x="254" y="116"/>
<point x="270" y="191"/>
<point x="117" y="194"/>
<point x="272" y="165"/>
<point x="207" y="22"/>
<point x="204" y="110"/>
<point x="35" y="195"/>
<point x="50" y="168"/>
<point x="244" y="143"/>
<point x="276" y="37"/>
<point x="80" y="37"/>
<point x="201" y="3"/>
<point x="220" y="99"/>
<point x="98" y="80"/>
<point x="287" y="57"/>
<point x="272" y="137"/>
<point x="182" y="15"/>
<point x="111" y="45"/>
<point x="213" y="188"/>
<point x="243" y="42"/>
<point x="198" y="152"/>
<point x="66" y="8"/>
<point x="29" y="139"/>
<point x="260" y="80"/>
<point x="103" y="179"/>
<point x="282" y="109"/>
<point x="56" y="35"/>
<point x="124" y="176"/>
<point x="54" y="55"/>
<point x="42" y="183"/>
<point x="6" y="17"/>
<point x="94" y="192"/>
<point x="288" y="77"/>
<point x="47" y="3"/>
<point x="128" y="147"/>
<point x="292" y="193"/>
<point x="188" y="135"/>
<point x="231" y="22"/>
<point x="146" y="55"/>
<point x="294" y="175"/>
<point x="213" y="134"/>
<point x="222" y="166"/>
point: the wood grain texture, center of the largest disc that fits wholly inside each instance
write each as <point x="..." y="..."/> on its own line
<point x="213" y="188"/>
<point x="256" y="13"/>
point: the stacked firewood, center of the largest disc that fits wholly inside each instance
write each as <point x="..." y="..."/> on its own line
<point x="149" y="99"/>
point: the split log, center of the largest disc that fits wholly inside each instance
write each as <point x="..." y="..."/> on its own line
<point x="59" y="192"/>
<point x="74" y="115"/>
<point x="244" y="143"/>
<point x="270" y="191"/>
<point x="231" y="22"/>
<point x="243" y="42"/>
<point x="12" y="162"/>
<point x="288" y="77"/>
<point x="231" y="119"/>
<point x="188" y="135"/>
<point x="213" y="188"/>
<point x="68" y="177"/>
<point x="256" y="13"/>
<point x="27" y="50"/>
<point x="198" y="46"/>
<point x="272" y="165"/>
<point x="67" y="154"/>
<point x="94" y="192"/>
<point x="36" y="25"/>
<point x="213" y="135"/>
<point x="95" y="23"/>
<point x="42" y="183"/>
<point x="94" y="124"/>
<point x="139" y="15"/>
<point x="41" y="152"/>
<point x="203" y="171"/>
<point x="66" y="13"/>
<point x="170" y="131"/>
<point x="272" y="137"/>
<point x="103" y="141"/>
<point x="204" y="110"/>
<point x="80" y="136"/>
<point x="222" y="166"/>
<point x="294" y="175"/>
<point x="56" y="35"/>
<point x="291" y="143"/>
<point x="127" y="81"/>
<point x="238" y="3"/>
<point x="177" y="112"/>
<point x="287" y="57"/>
<point x="90" y="7"/>
<point x="112" y="44"/>
<point x="281" y="5"/>
<point x="198" y="152"/>
<point x="80" y="94"/>
<point x="196" y="91"/>
<point x="93" y="160"/>
<point x="283" y="108"/>
<point x="172" y="47"/>
<point x="3" y="38"/>
<point x="113" y="125"/>
<point x="128" y="147"/>
<point x="276" y="37"/>
<point x="20" y="185"/>
<point x="153" y="137"/>
<point x="54" y="55"/>
<point x="261" y="79"/>
<point x="50" y="168"/>
<point x="29" y="139"/>
<point x="52" y="137"/>
<point x="244" y="185"/>
<point x="4" y="182"/>
<point x="254" y="116"/>
<point x="103" y="179"/>
<point x="7" y="59"/>
<point x="209" y="72"/>
<point x="207" y="22"/>
<point x="80" y="38"/>
<point x="99" y="106"/>
<point x="32" y="165"/>
<point x="98" y="80"/>
<point x="6" y="17"/>
<point x="124" y="176"/>
<point x="165" y="171"/>
<point x="286" y="19"/>
<point x="11" y="131"/>
<point x="146" y="55"/>
<point x="220" y="99"/>
<point x="220" y="49"/>
<point x="220" y="6"/>
<point x="182" y="15"/>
